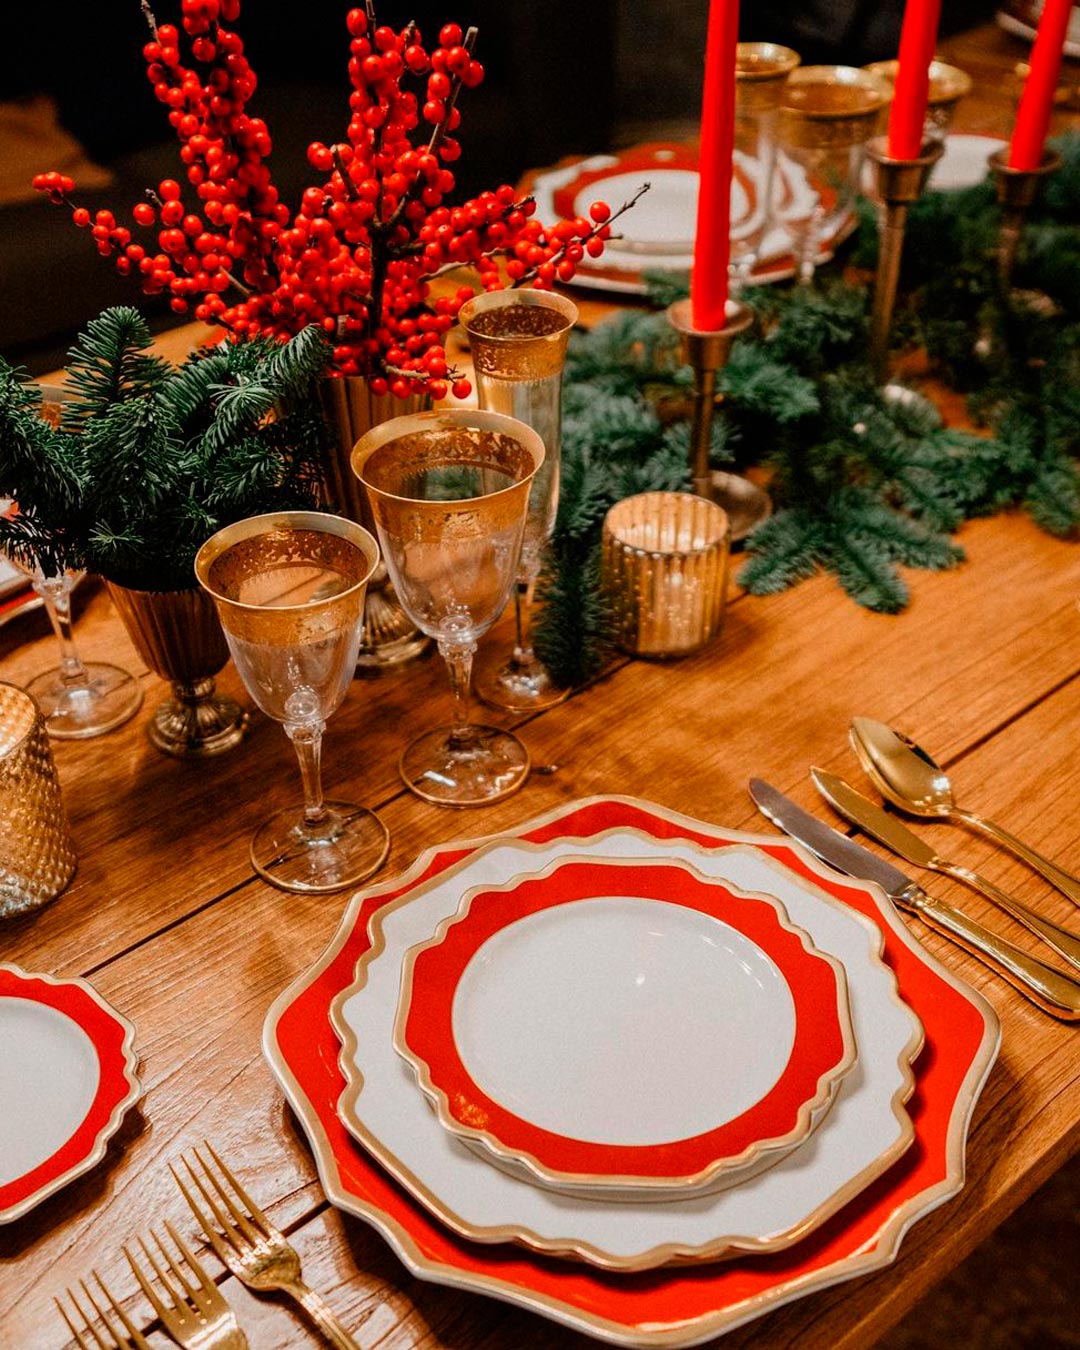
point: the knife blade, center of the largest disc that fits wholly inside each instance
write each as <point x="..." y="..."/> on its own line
<point x="1052" y="991"/>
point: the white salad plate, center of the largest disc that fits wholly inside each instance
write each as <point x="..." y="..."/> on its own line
<point x="866" y="1130"/>
<point x="625" y="1027"/>
<point x="67" y="1076"/>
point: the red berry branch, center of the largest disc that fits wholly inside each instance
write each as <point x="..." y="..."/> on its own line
<point x="369" y="235"/>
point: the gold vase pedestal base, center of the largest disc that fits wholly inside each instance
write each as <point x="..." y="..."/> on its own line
<point x="197" y="722"/>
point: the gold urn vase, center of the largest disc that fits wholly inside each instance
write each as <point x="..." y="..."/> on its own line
<point x="178" y="635"/>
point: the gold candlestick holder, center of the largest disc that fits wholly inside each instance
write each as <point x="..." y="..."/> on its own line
<point x="898" y="183"/>
<point x="706" y="351"/>
<point x="1016" y="192"/>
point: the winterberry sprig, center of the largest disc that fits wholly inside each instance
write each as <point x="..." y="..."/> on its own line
<point x="359" y="253"/>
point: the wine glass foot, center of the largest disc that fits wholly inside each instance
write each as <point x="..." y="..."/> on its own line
<point x="196" y="722"/>
<point x="107" y="698"/>
<point x="518" y="682"/>
<point x="471" y="768"/>
<point x="349" y="845"/>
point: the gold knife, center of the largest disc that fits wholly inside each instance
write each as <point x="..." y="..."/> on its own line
<point x="887" y="830"/>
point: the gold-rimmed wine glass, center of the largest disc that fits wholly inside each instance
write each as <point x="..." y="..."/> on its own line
<point x="827" y="114"/>
<point x="289" y="588"/>
<point x="518" y="341"/>
<point x="948" y="85"/>
<point x="449" y="491"/>
<point x="761" y="70"/>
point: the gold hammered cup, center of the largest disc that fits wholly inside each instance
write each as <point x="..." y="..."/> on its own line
<point x="37" y="858"/>
<point x="665" y="558"/>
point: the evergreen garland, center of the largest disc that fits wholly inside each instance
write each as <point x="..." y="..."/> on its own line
<point x="150" y="460"/>
<point x="863" y="480"/>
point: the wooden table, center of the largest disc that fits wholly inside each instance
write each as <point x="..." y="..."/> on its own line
<point x="167" y="920"/>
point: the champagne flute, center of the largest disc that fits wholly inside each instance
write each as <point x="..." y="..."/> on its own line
<point x="449" y="491"/>
<point x="289" y="588"/>
<point x="518" y="341"/>
<point x="826" y="117"/>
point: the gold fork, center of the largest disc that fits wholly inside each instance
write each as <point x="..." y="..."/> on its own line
<point x="197" y="1316"/>
<point x="130" y="1338"/>
<point x="249" y="1244"/>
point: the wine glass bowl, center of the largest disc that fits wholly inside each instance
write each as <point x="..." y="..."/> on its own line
<point x="518" y="341"/>
<point x="761" y="70"/>
<point x="289" y="588"/>
<point x="827" y="115"/>
<point x="449" y="491"/>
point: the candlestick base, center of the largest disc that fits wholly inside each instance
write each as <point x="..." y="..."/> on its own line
<point x="706" y="351"/>
<point x="1016" y="193"/>
<point x="898" y="183"/>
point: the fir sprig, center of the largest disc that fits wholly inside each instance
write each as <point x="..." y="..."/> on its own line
<point x="149" y="459"/>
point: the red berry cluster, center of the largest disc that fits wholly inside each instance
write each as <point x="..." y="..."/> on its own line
<point x="359" y="254"/>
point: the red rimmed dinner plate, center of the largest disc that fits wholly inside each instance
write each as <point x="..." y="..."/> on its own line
<point x="630" y="1024"/>
<point x="67" y="1075"/>
<point x="670" y="1307"/>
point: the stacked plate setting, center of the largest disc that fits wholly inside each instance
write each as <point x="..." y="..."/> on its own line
<point x="614" y="1060"/>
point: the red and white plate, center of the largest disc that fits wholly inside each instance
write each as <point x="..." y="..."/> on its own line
<point x="658" y="233"/>
<point x="67" y="1076"/>
<point x="674" y="1307"/>
<point x="625" y="1026"/>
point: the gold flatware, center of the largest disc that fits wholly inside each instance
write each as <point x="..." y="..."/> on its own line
<point x="197" y="1317"/>
<point x="108" y="1336"/>
<point x="887" y="830"/>
<point x="908" y="777"/>
<point x="249" y="1244"/>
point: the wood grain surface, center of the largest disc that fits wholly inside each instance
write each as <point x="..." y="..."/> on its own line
<point x="167" y="919"/>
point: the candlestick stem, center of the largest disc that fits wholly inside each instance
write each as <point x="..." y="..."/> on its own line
<point x="1016" y="193"/>
<point x="706" y="351"/>
<point x="899" y="182"/>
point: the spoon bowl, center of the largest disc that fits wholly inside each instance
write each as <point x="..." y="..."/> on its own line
<point x="915" y="783"/>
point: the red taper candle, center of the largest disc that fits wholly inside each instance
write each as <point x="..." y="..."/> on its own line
<point x="1037" y="100"/>
<point x="712" y="245"/>
<point x="907" y="117"/>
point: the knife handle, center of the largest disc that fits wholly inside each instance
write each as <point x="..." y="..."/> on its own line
<point x="1054" y="992"/>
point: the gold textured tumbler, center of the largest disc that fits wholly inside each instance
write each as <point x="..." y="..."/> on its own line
<point x="36" y="854"/>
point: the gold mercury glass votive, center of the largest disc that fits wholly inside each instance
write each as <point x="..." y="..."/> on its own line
<point x="37" y="858"/>
<point x="665" y="558"/>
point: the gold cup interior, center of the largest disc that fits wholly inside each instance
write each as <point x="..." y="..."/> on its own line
<point x="287" y="578"/>
<point x="947" y="83"/>
<point x="827" y="106"/>
<point x="760" y="71"/>
<point x="518" y="334"/>
<point x="665" y="571"/>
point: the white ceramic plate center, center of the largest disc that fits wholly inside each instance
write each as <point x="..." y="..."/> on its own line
<point x="619" y="1020"/>
<point x="48" y="1077"/>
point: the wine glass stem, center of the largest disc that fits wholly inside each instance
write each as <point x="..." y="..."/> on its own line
<point x="307" y="741"/>
<point x="808" y="244"/>
<point x="523" y="599"/>
<point x="459" y="658"/>
<point x="56" y="594"/>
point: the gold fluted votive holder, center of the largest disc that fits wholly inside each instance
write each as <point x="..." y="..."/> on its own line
<point x="37" y="857"/>
<point x="898" y="184"/>
<point x="1016" y="193"/>
<point x="665" y="558"/>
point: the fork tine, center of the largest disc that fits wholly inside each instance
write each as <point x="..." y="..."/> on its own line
<point x="256" y="1213"/>
<point x="173" y="1265"/>
<point x="226" y="1225"/>
<point x="204" y="1289"/>
<point x="101" y="1315"/>
<point x="137" y="1338"/>
<point x="243" y="1222"/>
<point x="147" y="1288"/>
<point x="80" y="1339"/>
<point x="201" y="1217"/>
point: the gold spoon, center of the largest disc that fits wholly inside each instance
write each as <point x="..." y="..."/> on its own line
<point x="907" y="776"/>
